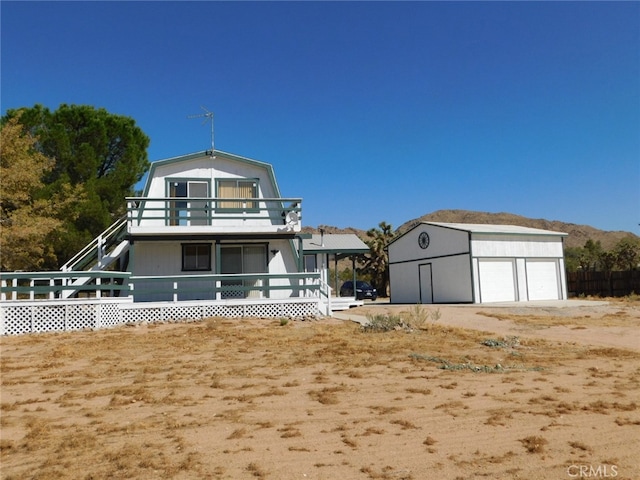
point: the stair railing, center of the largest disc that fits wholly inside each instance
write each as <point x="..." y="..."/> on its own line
<point x="96" y="248"/>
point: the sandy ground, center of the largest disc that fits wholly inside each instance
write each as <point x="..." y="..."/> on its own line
<point x="516" y="392"/>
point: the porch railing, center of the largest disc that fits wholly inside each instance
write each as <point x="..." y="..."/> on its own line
<point x="222" y="287"/>
<point x="182" y="211"/>
<point x="56" y="285"/>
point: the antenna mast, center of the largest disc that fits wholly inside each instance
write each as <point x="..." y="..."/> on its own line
<point x="208" y="117"/>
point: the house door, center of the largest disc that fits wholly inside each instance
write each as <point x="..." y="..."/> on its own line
<point x="241" y="259"/>
<point x="185" y="212"/>
<point x="198" y="211"/>
<point x="426" y="284"/>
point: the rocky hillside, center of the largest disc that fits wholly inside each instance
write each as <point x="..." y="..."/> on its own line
<point x="578" y="234"/>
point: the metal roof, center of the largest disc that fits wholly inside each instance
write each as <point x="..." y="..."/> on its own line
<point x="499" y="229"/>
<point x="334" y="243"/>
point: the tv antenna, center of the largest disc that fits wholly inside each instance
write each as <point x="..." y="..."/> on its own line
<point x="208" y="117"/>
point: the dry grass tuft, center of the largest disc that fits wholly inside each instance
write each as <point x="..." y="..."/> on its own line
<point x="534" y="444"/>
<point x="430" y="441"/>
<point x="327" y="395"/>
<point x="255" y="470"/>
<point x="405" y="424"/>
<point x="580" y="446"/>
<point x="238" y="433"/>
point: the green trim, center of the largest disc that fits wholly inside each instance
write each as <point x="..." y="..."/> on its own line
<point x="218" y="258"/>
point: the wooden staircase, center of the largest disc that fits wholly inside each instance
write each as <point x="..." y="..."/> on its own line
<point x="107" y="248"/>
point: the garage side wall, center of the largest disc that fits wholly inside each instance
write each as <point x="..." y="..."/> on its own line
<point x="437" y="273"/>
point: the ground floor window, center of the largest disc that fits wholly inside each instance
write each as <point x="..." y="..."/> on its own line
<point x="196" y="256"/>
<point x="310" y="263"/>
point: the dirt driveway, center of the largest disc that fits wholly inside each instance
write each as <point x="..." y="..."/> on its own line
<point x="598" y="323"/>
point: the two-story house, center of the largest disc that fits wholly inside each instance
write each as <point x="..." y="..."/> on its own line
<point x="211" y="235"/>
<point x="221" y="214"/>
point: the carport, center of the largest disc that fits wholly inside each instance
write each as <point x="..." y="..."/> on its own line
<point x="319" y="246"/>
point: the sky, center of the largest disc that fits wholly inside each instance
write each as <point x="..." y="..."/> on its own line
<point x="369" y="111"/>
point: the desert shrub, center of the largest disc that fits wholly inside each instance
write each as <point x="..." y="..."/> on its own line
<point x="384" y="323"/>
<point x="508" y="342"/>
<point x="418" y="318"/>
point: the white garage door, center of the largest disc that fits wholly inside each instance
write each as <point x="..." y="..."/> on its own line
<point x="542" y="280"/>
<point x="497" y="283"/>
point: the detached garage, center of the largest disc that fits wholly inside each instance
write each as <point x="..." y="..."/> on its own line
<point x="468" y="263"/>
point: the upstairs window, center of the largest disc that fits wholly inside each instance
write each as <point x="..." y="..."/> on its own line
<point x="234" y="188"/>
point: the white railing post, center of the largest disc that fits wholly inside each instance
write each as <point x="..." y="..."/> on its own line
<point x="100" y="252"/>
<point x="175" y="291"/>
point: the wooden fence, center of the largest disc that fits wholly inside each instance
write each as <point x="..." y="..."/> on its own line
<point x="603" y="284"/>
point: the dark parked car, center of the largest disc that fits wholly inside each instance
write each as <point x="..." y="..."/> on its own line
<point x="363" y="290"/>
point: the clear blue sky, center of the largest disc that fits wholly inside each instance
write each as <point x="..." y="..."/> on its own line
<point x="369" y="111"/>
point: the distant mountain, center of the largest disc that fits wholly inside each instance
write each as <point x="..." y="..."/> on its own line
<point x="577" y="234"/>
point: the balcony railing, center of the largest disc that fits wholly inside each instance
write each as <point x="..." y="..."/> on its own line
<point x="208" y="211"/>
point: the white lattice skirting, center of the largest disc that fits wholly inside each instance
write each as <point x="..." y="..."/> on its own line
<point x="21" y="317"/>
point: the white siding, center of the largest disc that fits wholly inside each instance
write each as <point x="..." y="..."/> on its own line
<point x="206" y="168"/>
<point x="521" y="278"/>
<point x="157" y="258"/>
<point x="514" y="246"/>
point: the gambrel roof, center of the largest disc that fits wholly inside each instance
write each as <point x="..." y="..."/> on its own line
<point x="216" y="154"/>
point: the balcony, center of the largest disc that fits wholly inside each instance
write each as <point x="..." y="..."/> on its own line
<point x="200" y="215"/>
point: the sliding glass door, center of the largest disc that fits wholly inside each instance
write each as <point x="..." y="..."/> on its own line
<point x="188" y="211"/>
<point x="239" y="259"/>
